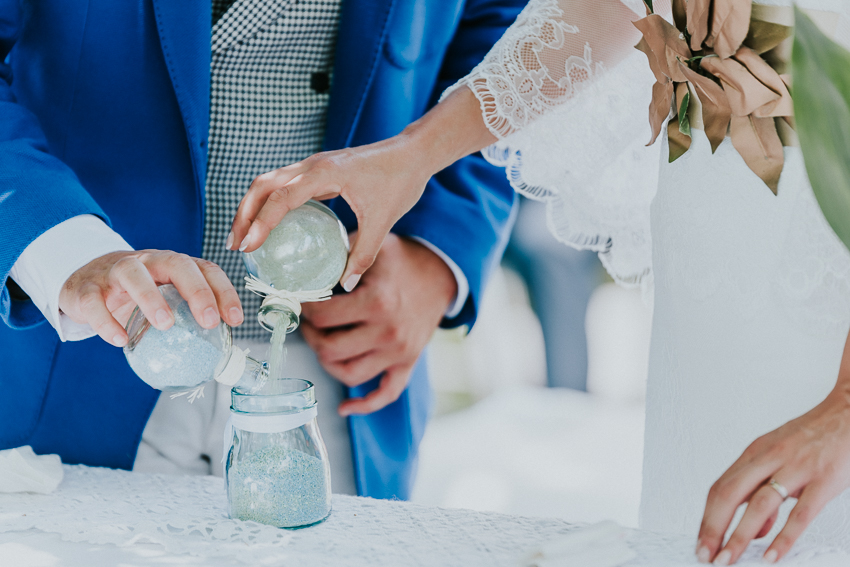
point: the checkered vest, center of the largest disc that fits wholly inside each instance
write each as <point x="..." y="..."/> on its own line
<point x="271" y="68"/>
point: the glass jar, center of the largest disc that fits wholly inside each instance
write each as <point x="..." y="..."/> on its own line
<point x="307" y="251"/>
<point x="277" y="468"/>
<point x="187" y="356"/>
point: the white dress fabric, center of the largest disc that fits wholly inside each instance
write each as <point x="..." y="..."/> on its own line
<point x="751" y="290"/>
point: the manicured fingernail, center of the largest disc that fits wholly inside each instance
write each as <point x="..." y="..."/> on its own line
<point x="245" y="242"/>
<point x="163" y="319"/>
<point x="210" y="317"/>
<point x="771" y="556"/>
<point x="724" y="557"/>
<point x="235" y="315"/>
<point x="229" y="244"/>
<point x="119" y="340"/>
<point x="703" y="555"/>
<point x="351" y="282"/>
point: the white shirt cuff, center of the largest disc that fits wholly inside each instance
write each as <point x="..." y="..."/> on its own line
<point x="462" y="283"/>
<point x="47" y="263"/>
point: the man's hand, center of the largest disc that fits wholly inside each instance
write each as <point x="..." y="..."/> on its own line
<point x="383" y="325"/>
<point x="104" y="292"/>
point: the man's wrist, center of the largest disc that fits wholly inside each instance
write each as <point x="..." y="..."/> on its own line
<point x="461" y="284"/>
<point x="46" y="264"/>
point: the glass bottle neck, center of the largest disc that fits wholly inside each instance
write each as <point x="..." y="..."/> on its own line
<point x="253" y="378"/>
<point x="270" y="316"/>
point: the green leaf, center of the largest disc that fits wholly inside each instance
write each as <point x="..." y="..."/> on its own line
<point x="649" y="6"/>
<point x="684" y="123"/>
<point x="677" y="142"/>
<point x="822" y="113"/>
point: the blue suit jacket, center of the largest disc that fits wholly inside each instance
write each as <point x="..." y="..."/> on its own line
<point x="104" y="109"/>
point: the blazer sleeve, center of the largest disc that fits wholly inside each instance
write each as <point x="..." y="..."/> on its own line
<point x="37" y="190"/>
<point x="472" y="199"/>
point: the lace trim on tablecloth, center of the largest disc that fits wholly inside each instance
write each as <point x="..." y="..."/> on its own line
<point x="187" y="515"/>
<point x="184" y="514"/>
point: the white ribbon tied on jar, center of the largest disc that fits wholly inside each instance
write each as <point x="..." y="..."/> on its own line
<point x="291" y="300"/>
<point x="269" y="423"/>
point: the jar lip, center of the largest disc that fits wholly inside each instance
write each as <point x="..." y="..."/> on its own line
<point x="295" y="410"/>
<point x="301" y="397"/>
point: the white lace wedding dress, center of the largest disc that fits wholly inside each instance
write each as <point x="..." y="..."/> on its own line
<point x="751" y="290"/>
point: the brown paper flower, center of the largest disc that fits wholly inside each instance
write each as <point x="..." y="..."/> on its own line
<point x="704" y="61"/>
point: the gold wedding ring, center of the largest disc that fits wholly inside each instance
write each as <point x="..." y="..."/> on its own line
<point x="783" y="492"/>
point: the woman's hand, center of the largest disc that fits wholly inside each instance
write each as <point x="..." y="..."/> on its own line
<point x="809" y="457"/>
<point x="380" y="182"/>
<point x="104" y="292"/>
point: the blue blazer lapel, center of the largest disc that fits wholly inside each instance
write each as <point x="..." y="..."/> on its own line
<point x="362" y="31"/>
<point x="185" y="30"/>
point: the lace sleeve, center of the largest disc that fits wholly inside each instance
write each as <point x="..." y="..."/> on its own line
<point x="551" y="50"/>
<point x="566" y="94"/>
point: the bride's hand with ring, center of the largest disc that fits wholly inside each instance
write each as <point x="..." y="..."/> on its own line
<point x="807" y="458"/>
<point x="380" y="181"/>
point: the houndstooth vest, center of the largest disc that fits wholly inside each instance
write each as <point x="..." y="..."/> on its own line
<point x="271" y="68"/>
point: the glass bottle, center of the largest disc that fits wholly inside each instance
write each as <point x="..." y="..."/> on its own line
<point x="187" y="356"/>
<point x="276" y="468"/>
<point x="307" y="251"/>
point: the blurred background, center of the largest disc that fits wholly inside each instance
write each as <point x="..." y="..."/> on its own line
<point x="539" y="409"/>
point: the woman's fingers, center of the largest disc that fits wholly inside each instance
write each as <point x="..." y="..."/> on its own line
<point x="812" y="500"/>
<point x="364" y="250"/>
<point x="734" y="488"/>
<point x="256" y="197"/>
<point x="283" y="199"/>
<point x="763" y="505"/>
<point x="768" y="525"/>
<point x="93" y="304"/>
<point x="132" y="275"/>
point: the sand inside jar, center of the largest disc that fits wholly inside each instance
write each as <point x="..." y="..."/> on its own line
<point x="279" y="487"/>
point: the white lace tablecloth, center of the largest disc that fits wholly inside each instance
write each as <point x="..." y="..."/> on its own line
<point x="108" y="517"/>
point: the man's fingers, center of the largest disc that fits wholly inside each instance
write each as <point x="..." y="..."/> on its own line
<point x="123" y="311"/>
<point x="363" y="253"/>
<point x="228" y="300"/>
<point x="361" y="369"/>
<point x="133" y="277"/>
<point x="342" y="310"/>
<point x="256" y="197"/>
<point x="342" y="344"/>
<point x="182" y="271"/>
<point x="392" y="384"/>
<point x="812" y="500"/>
<point x="93" y="307"/>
